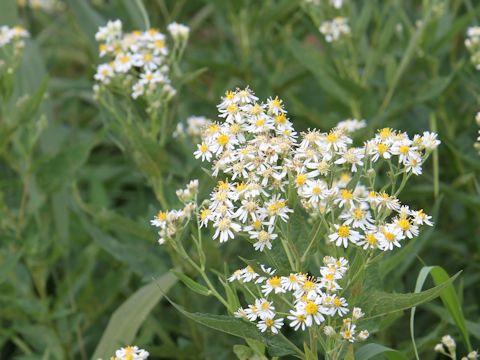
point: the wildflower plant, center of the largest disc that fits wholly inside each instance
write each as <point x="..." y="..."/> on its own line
<point x="12" y="44"/>
<point x="472" y="42"/>
<point x="135" y="86"/>
<point x="320" y="212"/>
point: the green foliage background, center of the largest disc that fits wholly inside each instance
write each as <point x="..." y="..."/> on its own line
<point x="74" y="209"/>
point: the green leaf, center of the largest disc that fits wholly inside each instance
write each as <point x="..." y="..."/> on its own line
<point x="192" y="284"/>
<point x="62" y="167"/>
<point x="380" y="303"/>
<point x="278" y="345"/>
<point x="245" y="353"/>
<point x="88" y="19"/>
<point x="28" y="106"/>
<point x="449" y="299"/>
<point x="369" y="351"/>
<point x="127" y="319"/>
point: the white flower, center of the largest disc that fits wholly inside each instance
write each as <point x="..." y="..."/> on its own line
<point x="357" y="313"/>
<point x="363" y="335"/>
<point x="203" y="151"/>
<point x="224" y="229"/>
<point x="131" y="353"/>
<point x="297" y="319"/>
<point x="343" y="235"/>
<point x="178" y="31"/>
<point x="273" y="284"/>
<point x="335" y="29"/>
<point x="390" y="236"/>
<point x="270" y="324"/>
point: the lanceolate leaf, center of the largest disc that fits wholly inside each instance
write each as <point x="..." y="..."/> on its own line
<point x="449" y="299"/>
<point x="128" y="318"/>
<point x="381" y="303"/>
<point x="277" y="344"/>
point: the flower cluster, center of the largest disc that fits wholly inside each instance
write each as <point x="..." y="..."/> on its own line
<point x="15" y="35"/>
<point x="335" y="29"/>
<point x="130" y="353"/>
<point x="448" y="347"/>
<point x="477" y="143"/>
<point x="138" y="58"/>
<point x="194" y="127"/>
<point x="256" y="147"/>
<point x="311" y="300"/>
<point x="171" y="221"/>
<point x="472" y="42"/>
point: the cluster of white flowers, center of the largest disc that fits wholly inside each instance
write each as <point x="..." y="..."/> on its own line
<point x="139" y="58"/>
<point x="195" y="125"/>
<point x="130" y="353"/>
<point x="314" y="299"/>
<point x="335" y="29"/>
<point x="472" y="42"/>
<point x="477" y="143"/>
<point x="448" y="347"/>
<point x="13" y="35"/>
<point x="170" y="221"/>
<point x="44" y="5"/>
<point x="257" y="148"/>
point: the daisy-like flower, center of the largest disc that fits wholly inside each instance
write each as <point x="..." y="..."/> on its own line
<point x="405" y="225"/>
<point x="349" y="333"/>
<point x="420" y="218"/>
<point x="315" y="191"/>
<point x="339" y="306"/>
<point x="353" y="157"/>
<point x="273" y="284"/>
<point x="249" y="274"/>
<point x="265" y="309"/>
<point x="274" y="325"/>
<point x="298" y="319"/>
<point x="345" y="197"/>
<point x="357" y="217"/>
<point x="104" y="73"/>
<point x="225" y="229"/>
<point x="123" y="62"/>
<point x="312" y="309"/>
<point x="291" y="282"/>
<point x="335" y="29"/>
<point x="390" y="236"/>
<point x="264" y="238"/>
<point x="131" y="353"/>
<point x="343" y="235"/>
<point x="203" y="152"/>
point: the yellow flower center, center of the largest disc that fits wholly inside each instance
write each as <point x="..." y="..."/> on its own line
<point x="382" y="148"/>
<point x="404" y="149"/>
<point x="404" y="224"/>
<point x="344" y="231"/>
<point x="331" y="138"/>
<point x="162" y="216"/>
<point x="281" y="118"/>
<point x="159" y="44"/>
<point x="232" y="108"/>
<point x="385" y="133"/>
<point x="301" y="179"/>
<point x="371" y="239"/>
<point x="346" y="194"/>
<point x="274" y="281"/>
<point x="269" y="322"/>
<point x="223" y="139"/>
<point x="311" y="308"/>
<point x="358" y="214"/>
